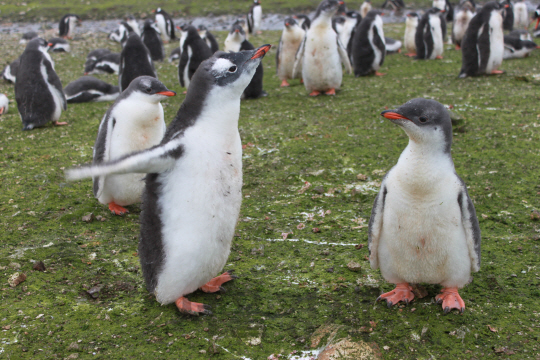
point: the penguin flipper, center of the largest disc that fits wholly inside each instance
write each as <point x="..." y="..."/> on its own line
<point x="375" y="225"/>
<point x="184" y="59"/>
<point x="54" y="80"/>
<point x="299" y="57"/>
<point x="156" y="159"/>
<point x="343" y="55"/>
<point x="471" y="226"/>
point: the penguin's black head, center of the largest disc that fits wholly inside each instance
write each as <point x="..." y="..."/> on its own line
<point x="339" y="20"/>
<point x="237" y="29"/>
<point x="425" y="122"/>
<point x="328" y="7"/>
<point x="38" y="44"/>
<point x="493" y="5"/>
<point x="290" y="22"/>
<point x="202" y="28"/>
<point x="412" y="15"/>
<point x="151" y="88"/>
<point x="256" y="2"/>
<point x="528" y="44"/>
<point x="148" y="24"/>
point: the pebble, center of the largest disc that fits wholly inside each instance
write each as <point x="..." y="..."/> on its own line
<point x="39" y="266"/>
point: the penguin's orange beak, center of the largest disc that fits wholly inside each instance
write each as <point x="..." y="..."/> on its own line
<point x="50" y="44"/>
<point x="287" y="24"/>
<point x="389" y="114"/>
<point x="236" y="31"/>
<point x="167" y="93"/>
<point x="506" y="6"/>
<point x="341" y="2"/>
<point x="261" y="51"/>
<point x="537" y="21"/>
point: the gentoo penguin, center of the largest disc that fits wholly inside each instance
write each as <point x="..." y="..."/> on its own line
<point x="508" y="15"/>
<point x="303" y="21"/>
<point x="175" y="54"/>
<point x="345" y="27"/>
<point x="96" y="54"/>
<point x="208" y="37"/>
<point x="393" y="46"/>
<point x="59" y="45"/>
<point x="429" y="35"/>
<point x="482" y="48"/>
<point x="67" y="24"/>
<point x="365" y="8"/>
<point x="446" y="6"/>
<point x="396" y="5"/>
<point x="151" y="39"/>
<point x="135" y="61"/>
<point x="88" y="88"/>
<point x="290" y="40"/>
<point x="193" y="190"/>
<point x="165" y="24"/>
<point x="4" y="104"/>
<point x="254" y="18"/>
<point x="194" y="52"/>
<point x="27" y="36"/>
<point x="38" y="90"/>
<point x="121" y="34"/>
<point x="104" y="64"/>
<point x="515" y="48"/>
<point x="369" y="46"/>
<point x="411" y="23"/>
<point x="321" y="53"/>
<point x="521" y="15"/>
<point x="423" y="226"/>
<point x="236" y="41"/>
<point x="461" y="21"/>
<point x="133" y="123"/>
<point x="132" y="22"/>
<point x="10" y="71"/>
<point x="536" y="16"/>
<point x="520" y="34"/>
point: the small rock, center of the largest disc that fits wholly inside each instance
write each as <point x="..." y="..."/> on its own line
<point x="94" y="291"/>
<point x="15" y="266"/>
<point x="73" y="346"/>
<point x="361" y="177"/>
<point x="99" y="217"/>
<point x="319" y="189"/>
<point x="39" y="266"/>
<point x="88" y="218"/>
<point x="535" y="215"/>
<point x="354" y="266"/>
<point x="419" y="291"/>
<point x="16" y="279"/>
<point x="330" y="270"/>
<point x="72" y="356"/>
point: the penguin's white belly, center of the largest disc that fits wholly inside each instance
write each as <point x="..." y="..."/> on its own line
<point x="200" y="206"/>
<point x="521" y="16"/>
<point x="423" y="239"/>
<point x="257" y="18"/>
<point x="232" y="44"/>
<point x="186" y="69"/>
<point x="436" y="33"/>
<point x="162" y="26"/>
<point x="287" y="56"/>
<point x="517" y="53"/>
<point x="460" y="24"/>
<point x="321" y="69"/>
<point x="408" y="39"/>
<point x="57" y="97"/>
<point x="496" y="43"/>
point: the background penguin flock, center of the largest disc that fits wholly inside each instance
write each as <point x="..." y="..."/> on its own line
<point x="317" y="51"/>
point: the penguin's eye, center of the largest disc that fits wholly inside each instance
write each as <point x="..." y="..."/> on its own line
<point x="232" y="69"/>
<point x="423" y="119"/>
<point x="148" y="90"/>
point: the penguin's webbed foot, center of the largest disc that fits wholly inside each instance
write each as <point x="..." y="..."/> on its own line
<point x="117" y="209"/>
<point x="315" y="93"/>
<point x="214" y="285"/>
<point x="192" y="308"/>
<point x="402" y="292"/>
<point x="450" y="299"/>
<point x="497" y="72"/>
<point x="285" y="83"/>
<point x="439" y="57"/>
<point x="410" y="54"/>
<point x="379" y="74"/>
<point x="57" y="123"/>
<point x="331" y="92"/>
<point x="458" y="47"/>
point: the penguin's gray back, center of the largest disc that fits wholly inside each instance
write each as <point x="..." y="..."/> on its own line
<point x="10" y="71"/>
<point x="88" y="88"/>
<point x="135" y="61"/>
<point x="153" y="43"/>
<point x="368" y="48"/>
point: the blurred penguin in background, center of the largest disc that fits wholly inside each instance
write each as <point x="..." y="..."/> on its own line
<point x="463" y="16"/>
<point x="508" y="15"/>
<point x="165" y="25"/>
<point x="411" y="23"/>
<point x="365" y="8"/>
<point x="135" y="61"/>
<point x="521" y="15"/>
<point x="369" y="45"/>
<point x="429" y="35"/>
<point x="208" y="37"/>
<point x="66" y="26"/>
<point x="254" y="18"/>
<point x="536" y="16"/>
<point x="290" y="41"/>
<point x="194" y="52"/>
<point x="303" y="21"/>
<point x="132" y="22"/>
<point x="151" y="39"/>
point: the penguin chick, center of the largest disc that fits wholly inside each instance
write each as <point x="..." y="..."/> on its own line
<point x="515" y="48"/>
<point x="536" y="16"/>
<point x="192" y="195"/>
<point x="365" y="8"/>
<point x="151" y="39"/>
<point x="462" y="19"/>
<point x="303" y="21"/>
<point x="27" y="36"/>
<point x="290" y="41"/>
<point x="175" y="54"/>
<point x="135" y="61"/>
<point x="134" y="122"/>
<point x="423" y="226"/>
<point x="393" y="46"/>
<point x="369" y="45"/>
<point x="321" y="53"/>
<point x="59" y="45"/>
<point x="429" y="37"/>
<point x="132" y="22"/>
<point x="38" y="90"/>
<point x="254" y="18"/>
<point x="165" y="24"/>
<point x="194" y="52"/>
<point x="4" y="104"/>
<point x="521" y="15"/>
<point x="10" y="71"/>
<point x="208" y="37"/>
<point x="67" y="24"/>
<point x="121" y="34"/>
<point x="105" y="64"/>
<point x="411" y="23"/>
<point x="88" y="88"/>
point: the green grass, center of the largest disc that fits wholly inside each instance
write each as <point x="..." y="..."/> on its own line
<point x="285" y="291"/>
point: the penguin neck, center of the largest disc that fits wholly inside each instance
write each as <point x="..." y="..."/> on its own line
<point x="322" y="20"/>
<point x="221" y="112"/>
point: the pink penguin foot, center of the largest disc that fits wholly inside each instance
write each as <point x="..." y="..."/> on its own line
<point x="497" y="72"/>
<point x="285" y="83"/>
<point x="214" y="285"/>
<point x="331" y="92"/>
<point x="192" y="308"/>
<point x="117" y="209"/>
<point x="439" y="57"/>
<point x="402" y="292"/>
<point x="315" y="93"/>
<point x="379" y="74"/>
<point x="57" y="123"/>
<point x="450" y="299"/>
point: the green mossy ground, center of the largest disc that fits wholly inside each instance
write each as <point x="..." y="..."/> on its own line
<point x="286" y="289"/>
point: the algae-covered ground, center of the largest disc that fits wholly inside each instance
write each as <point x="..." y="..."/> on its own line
<point x="303" y="221"/>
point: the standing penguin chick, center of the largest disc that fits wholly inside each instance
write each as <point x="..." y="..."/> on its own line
<point x="365" y="8"/>
<point x="193" y="190"/>
<point x="429" y="35"/>
<point x="290" y="41"/>
<point x="321" y="53"/>
<point x="134" y="122"/>
<point x="4" y="104"/>
<point x="508" y="15"/>
<point x="67" y="24"/>
<point x="254" y="18"/>
<point x="423" y="226"/>
<point x="194" y="52"/>
<point x="122" y="33"/>
<point x="521" y="15"/>
<point x="463" y="17"/>
<point x="411" y="23"/>
<point x="132" y="22"/>
<point x="482" y="47"/>
<point x="135" y="61"/>
<point x="38" y="90"/>
<point x="151" y="39"/>
<point x="446" y="7"/>
<point x="303" y="21"/>
<point x="165" y="24"/>
<point x="369" y="46"/>
<point x="346" y="29"/>
<point x="208" y="37"/>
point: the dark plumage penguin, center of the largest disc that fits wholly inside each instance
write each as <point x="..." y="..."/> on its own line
<point x="151" y="39"/>
<point x="368" y="47"/>
<point x="463" y="17"/>
<point x="88" y="88"/>
<point x="411" y="24"/>
<point x="447" y="8"/>
<point x="104" y="64"/>
<point x="303" y="21"/>
<point x="59" y="45"/>
<point x="508" y="15"/>
<point x="290" y="40"/>
<point x="396" y="5"/>
<point x="254" y="18"/>
<point x="345" y="26"/>
<point x="193" y="190"/>
<point x="67" y="24"/>
<point x="27" y="36"/>
<point x="10" y="71"/>
<point x="429" y="35"/>
<point x="208" y="37"/>
<point x="175" y="54"/>
<point x="38" y="90"/>
<point x="121" y="34"/>
<point x="482" y="47"/>
<point x="4" y="104"/>
<point x="515" y="48"/>
<point x="536" y="16"/>
<point x="423" y="226"/>
<point x="194" y="52"/>
<point x="165" y="24"/>
<point x="135" y="61"/>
